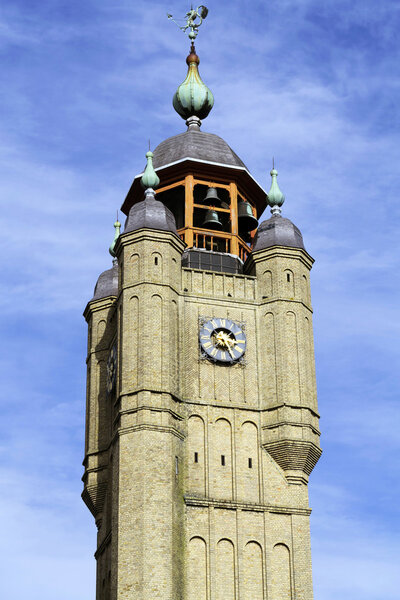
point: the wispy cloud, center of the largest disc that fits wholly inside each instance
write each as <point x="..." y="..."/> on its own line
<point x="352" y="557"/>
<point x="84" y="87"/>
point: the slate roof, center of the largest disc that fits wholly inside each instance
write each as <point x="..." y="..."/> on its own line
<point x="107" y="284"/>
<point x="278" y="231"/>
<point x="197" y="145"/>
<point x="151" y="214"/>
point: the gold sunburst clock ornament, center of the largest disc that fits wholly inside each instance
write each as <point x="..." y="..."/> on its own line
<point x="222" y="340"/>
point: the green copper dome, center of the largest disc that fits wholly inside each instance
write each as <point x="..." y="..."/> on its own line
<point x="193" y="98"/>
<point x="117" y="226"/>
<point x="150" y="178"/>
<point x="275" y="197"/>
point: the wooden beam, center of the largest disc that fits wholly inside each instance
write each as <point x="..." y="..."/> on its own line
<point x="234" y="219"/>
<point x="189" y="185"/>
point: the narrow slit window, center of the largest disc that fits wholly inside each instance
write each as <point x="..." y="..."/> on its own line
<point x="176" y="465"/>
<point x="156" y="260"/>
<point x="222" y="460"/>
<point x="288" y="276"/>
<point x="196" y="457"/>
<point x="250" y="463"/>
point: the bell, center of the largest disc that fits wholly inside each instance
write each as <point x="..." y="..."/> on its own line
<point x="247" y="221"/>
<point x="211" y="221"/>
<point x="212" y="197"/>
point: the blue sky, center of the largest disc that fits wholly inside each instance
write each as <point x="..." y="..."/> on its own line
<point x="84" y="85"/>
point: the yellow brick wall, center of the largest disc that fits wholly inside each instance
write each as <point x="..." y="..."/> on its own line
<point x="197" y="472"/>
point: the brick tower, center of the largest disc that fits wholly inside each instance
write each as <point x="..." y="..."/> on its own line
<point x="201" y="419"/>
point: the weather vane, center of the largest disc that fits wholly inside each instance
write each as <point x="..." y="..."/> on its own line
<point x="193" y="20"/>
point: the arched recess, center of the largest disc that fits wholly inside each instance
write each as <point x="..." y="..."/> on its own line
<point x="267" y="286"/>
<point x="291" y="363"/>
<point x="310" y="365"/>
<point x="248" y="485"/>
<point x="157" y="265"/>
<point x="304" y="292"/>
<point x="289" y="283"/>
<point x="173" y="346"/>
<point x="101" y="327"/>
<point x="225" y="575"/>
<point x="268" y="356"/>
<point x="197" y="570"/>
<point x="134" y="342"/>
<point x="155" y="348"/>
<point x="253" y="573"/>
<point x="88" y="407"/>
<point x="134" y="267"/>
<point x="281" y="578"/>
<point x="196" y="455"/>
<point x="100" y="412"/>
<point x="222" y="459"/>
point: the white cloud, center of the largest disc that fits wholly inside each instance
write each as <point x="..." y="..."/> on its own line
<point x="83" y="95"/>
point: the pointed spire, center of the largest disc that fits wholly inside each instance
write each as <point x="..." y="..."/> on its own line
<point x="150" y="179"/>
<point x="117" y="226"/>
<point x="193" y="98"/>
<point x="275" y="197"/>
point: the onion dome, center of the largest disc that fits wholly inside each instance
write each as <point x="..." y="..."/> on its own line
<point x="150" y="213"/>
<point x="277" y="231"/>
<point x="275" y="196"/>
<point x="150" y="178"/>
<point x="117" y="226"/>
<point x="107" y="283"/>
<point x="193" y="98"/>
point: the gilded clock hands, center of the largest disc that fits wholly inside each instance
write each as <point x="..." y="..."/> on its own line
<point x="230" y="351"/>
<point x="224" y="340"/>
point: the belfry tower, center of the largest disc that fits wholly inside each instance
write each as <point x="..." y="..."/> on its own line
<point x="201" y="418"/>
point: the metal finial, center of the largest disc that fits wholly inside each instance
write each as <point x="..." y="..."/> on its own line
<point x="193" y="19"/>
<point x="275" y="197"/>
<point x="150" y="179"/>
<point x="117" y="226"/>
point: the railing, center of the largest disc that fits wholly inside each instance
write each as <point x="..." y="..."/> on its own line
<point x="216" y="241"/>
<point x="210" y="241"/>
<point x="244" y="251"/>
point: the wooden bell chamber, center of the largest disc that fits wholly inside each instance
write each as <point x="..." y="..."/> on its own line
<point x="185" y="189"/>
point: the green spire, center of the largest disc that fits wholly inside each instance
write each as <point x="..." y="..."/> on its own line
<point x="275" y="197"/>
<point x="150" y="178"/>
<point x="117" y="226"/>
<point x="193" y="98"/>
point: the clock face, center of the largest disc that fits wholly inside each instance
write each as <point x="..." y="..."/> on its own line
<point x="111" y="369"/>
<point x="222" y="340"/>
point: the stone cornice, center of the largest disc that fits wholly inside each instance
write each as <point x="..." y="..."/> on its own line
<point x="146" y="427"/>
<point x="279" y="252"/>
<point x="153" y="235"/>
<point x="98" y="305"/>
<point x="234" y="505"/>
